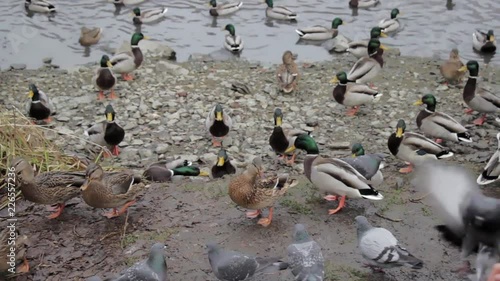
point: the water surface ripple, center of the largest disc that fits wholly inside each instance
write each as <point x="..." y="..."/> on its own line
<point x="430" y="28"/>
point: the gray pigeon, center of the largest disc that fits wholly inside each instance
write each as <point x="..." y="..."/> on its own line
<point x="486" y="258"/>
<point x="466" y="212"/>
<point x="154" y="268"/>
<point x="381" y="249"/>
<point x="235" y="266"/>
<point x="305" y="257"/>
<point x="369" y="166"/>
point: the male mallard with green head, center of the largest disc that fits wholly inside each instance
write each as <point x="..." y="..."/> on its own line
<point x="363" y="3"/>
<point x="279" y="12"/>
<point x="368" y="165"/>
<point x="413" y="148"/>
<point x="352" y="94"/>
<point x="491" y="172"/>
<point x="50" y="188"/>
<point x="252" y="191"/>
<point x="288" y="74"/>
<point x="223" y="166"/>
<point x="484" y="41"/>
<point x="360" y="48"/>
<point x="478" y="99"/>
<point x="126" y="62"/>
<point x="39" y="6"/>
<point x="149" y="15"/>
<point x="110" y="191"/>
<point x="163" y="171"/>
<point x="367" y="68"/>
<point x="19" y="250"/>
<point x="392" y="24"/>
<point x="281" y="140"/>
<point x="439" y="125"/>
<point x="107" y="133"/>
<point x="223" y="9"/>
<point x="232" y="42"/>
<point x="450" y="69"/>
<point x="318" y="32"/>
<point x="40" y="107"/>
<point x="105" y="79"/>
<point x="218" y="124"/>
<point x="334" y="176"/>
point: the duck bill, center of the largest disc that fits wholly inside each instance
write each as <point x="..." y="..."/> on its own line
<point x="31" y="94"/>
<point x="109" y="64"/>
<point x="109" y="117"/>
<point x="334" y="80"/>
<point x="204" y="174"/>
<point x="279" y="121"/>
<point x="218" y="116"/>
<point x="399" y="132"/>
<point x="383" y="47"/>
<point x="146" y="38"/>
<point x="220" y="162"/>
<point x="419" y="102"/>
<point x="290" y="149"/>
<point x="492" y="38"/>
<point x="463" y="68"/>
<point x="353" y="155"/>
<point x="383" y="35"/>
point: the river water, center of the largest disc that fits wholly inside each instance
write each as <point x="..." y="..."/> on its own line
<point x="430" y="28"/>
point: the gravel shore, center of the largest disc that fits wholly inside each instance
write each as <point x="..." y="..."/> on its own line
<point x="163" y="113"/>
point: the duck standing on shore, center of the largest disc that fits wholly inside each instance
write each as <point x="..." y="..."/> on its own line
<point x="223" y="9"/>
<point x="218" y="124"/>
<point x="450" y="69"/>
<point x="288" y="74"/>
<point x="368" y="68"/>
<point x="223" y="166"/>
<point x="104" y="78"/>
<point x="359" y="49"/>
<point x="107" y="133"/>
<point x="126" y="62"/>
<point x="352" y="94"/>
<point x="40" y="106"/>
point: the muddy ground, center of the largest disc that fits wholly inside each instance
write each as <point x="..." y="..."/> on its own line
<point x="187" y="213"/>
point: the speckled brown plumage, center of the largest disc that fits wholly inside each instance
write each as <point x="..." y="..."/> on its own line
<point x="287" y="74"/>
<point x="449" y="69"/>
<point x="109" y="191"/>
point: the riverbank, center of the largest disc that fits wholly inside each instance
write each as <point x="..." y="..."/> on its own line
<point x="163" y="112"/>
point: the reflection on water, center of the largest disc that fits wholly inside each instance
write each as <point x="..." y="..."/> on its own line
<point x="430" y="28"/>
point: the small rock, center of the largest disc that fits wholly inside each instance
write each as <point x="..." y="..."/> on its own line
<point x="47" y="60"/>
<point x="162" y="148"/>
<point x="18" y="66"/>
<point x="442" y="88"/>
<point x="137" y="142"/>
<point x="62" y="118"/>
<point x="340" y="145"/>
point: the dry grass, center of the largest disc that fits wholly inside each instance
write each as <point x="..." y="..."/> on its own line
<point x="20" y="137"/>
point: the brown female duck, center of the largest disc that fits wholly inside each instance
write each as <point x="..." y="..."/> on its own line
<point x="287" y="74"/>
<point x="250" y="190"/>
<point x="50" y="188"/>
<point x="110" y="190"/>
<point x="450" y="69"/>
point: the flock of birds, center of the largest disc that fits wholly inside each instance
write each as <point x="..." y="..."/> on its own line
<point x="471" y="218"/>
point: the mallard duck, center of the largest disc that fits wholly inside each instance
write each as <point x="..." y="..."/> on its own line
<point x="104" y="78"/>
<point x="450" y="68"/>
<point x="352" y="94"/>
<point x="110" y="191"/>
<point x="319" y="32"/>
<point x="288" y="74"/>
<point x="484" y="42"/>
<point x="126" y="62"/>
<point x="224" y="9"/>
<point x="279" y="12"/>
<point x="281" y="140"/>
<point x="223" y="166"/>
<point x="149" y="15"/>
<point x="491" y="172"/>
<point x="40" y="6"/>
<point x="478" y="99"/>
<point x="250" y="190"/>
<point x="50" y="188"/>
<point x="439" y="125"/>
<point x="360" y="48"/>
<point x="218" y="124"/>
<point x="127" y="2"/>
<point x="90" y="36"/>
<point x="334" y="176"/>
<point x="392" y="24"/>
<point x="363" y="3"/>
<point x="367" y="68"/>
<point x="18" y="263"/>
<point x="368" y="165"/>
<point x="107" y="133"/>
<point x="414" y="148"/>
<point x="40" y="107"/>
<point x="232" y="42"/>
<point x="163" y="171"/>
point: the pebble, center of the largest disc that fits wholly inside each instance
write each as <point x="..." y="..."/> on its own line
<point x="18" y="66"/>
<point x="47" y="60"/>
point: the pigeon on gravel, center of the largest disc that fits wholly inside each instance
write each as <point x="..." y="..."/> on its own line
<point x="234" y="266"/>
<point x="154" y="268"/>
<point x="468" y="215"/>
<point x="304" y="256"/>
<point x="381" y="249"/>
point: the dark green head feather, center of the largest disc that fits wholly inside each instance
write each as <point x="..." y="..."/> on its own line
<point x="137" y="11"/>
<point x="136" y="38"/>
<point x="357" y="149"/>
<point x="394" y="13"/>
<point x="190" y="171"/>
<point x="307" y="143"/>
<point x="231" y="29"/>
<point x="336" y="23"/>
